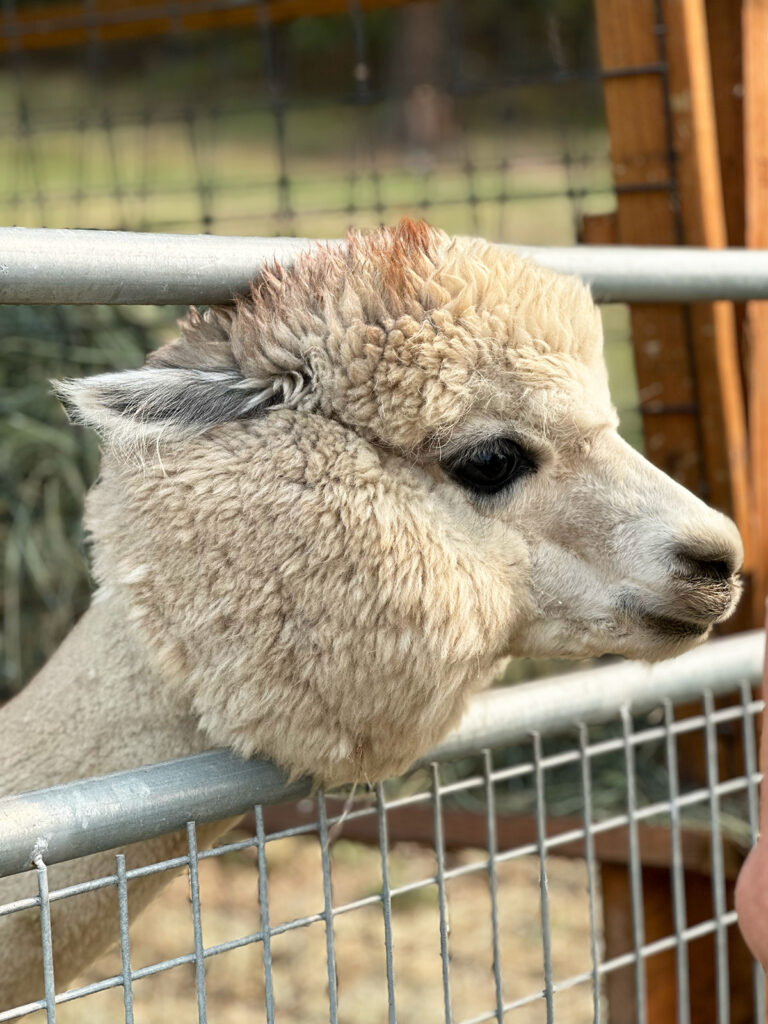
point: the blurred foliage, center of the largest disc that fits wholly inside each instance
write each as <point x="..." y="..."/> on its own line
<point x="47" y="466"/>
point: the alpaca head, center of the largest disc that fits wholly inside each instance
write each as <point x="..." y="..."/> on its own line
<point x="333" y="507"/>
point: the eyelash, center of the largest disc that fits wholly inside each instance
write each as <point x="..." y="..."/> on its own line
<point x="491" y="467"/>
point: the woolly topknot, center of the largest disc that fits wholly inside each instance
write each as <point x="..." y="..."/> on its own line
<point x="398" y="332"/>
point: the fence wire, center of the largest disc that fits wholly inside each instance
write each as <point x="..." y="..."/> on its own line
<point x="300" y="118"/>
<point x="492" y="880"/>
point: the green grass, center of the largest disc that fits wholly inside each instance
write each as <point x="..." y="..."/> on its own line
<point x="341" y="165"/>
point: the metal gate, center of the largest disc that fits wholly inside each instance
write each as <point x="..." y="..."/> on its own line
<point x="494" y="787"/>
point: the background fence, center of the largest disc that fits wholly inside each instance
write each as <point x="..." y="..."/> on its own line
<point x="300" y="118"/>
<point x="480" y="917"/>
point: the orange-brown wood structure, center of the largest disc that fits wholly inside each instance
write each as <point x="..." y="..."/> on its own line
<point x="45" y="27"/>
<point x="664" y="149"/>
<point x="755" y="91"/>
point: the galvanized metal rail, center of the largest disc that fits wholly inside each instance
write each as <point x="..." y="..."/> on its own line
<point x="52" y="266"/>
<point x="85" y="817"/>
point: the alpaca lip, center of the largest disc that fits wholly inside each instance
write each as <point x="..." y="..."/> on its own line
<point x="662" y="625"/>
<point x="665" y="626"/>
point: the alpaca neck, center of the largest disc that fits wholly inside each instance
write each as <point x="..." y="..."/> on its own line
<point x="95" y="707"/>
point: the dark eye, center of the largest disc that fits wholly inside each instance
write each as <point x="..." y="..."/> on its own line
<point x="491" y="467"/>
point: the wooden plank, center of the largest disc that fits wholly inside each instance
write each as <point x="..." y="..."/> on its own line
<point x="755" y="87"/>
<point x="598" y="229"/>
<point x="722" y="407"/>
<point x="724" y="29"/>
<point x="724" y="25"/>
<point x="661" y="974"/>
<point x="465" y="829"/>
<point x="640" y="159"/>
<point x="54" y="26"/>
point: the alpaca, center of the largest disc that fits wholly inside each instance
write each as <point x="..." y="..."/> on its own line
<point x="325" y="515"/>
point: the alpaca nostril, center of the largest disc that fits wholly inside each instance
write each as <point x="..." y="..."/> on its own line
<point x="720" y="565"/>
<point x="716" y="569"/>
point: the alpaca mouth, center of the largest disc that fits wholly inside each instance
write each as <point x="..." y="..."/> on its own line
<point x="676" y="629"/>
<point x="666" y="626"/>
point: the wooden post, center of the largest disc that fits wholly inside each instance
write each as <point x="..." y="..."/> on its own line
<point x="724" y="24"/>
<point x="715" y="355"/>
<point x="660" y="969"/>
<point x="660" y="109"/>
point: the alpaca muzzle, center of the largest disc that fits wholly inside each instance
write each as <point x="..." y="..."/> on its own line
<point x="694" y="597"/>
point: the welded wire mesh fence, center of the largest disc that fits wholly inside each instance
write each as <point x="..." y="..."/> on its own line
<point x="493" y="909"/>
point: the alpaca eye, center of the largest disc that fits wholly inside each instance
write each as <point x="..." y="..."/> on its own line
<point x="491" y="467"/>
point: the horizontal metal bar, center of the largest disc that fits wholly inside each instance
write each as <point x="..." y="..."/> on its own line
<point x="634" y="273"/>
<point x="555" y="704"/>
<point x="91" y="815"/>
<point x="87" y="816"/>
<point x="51" y="266"/>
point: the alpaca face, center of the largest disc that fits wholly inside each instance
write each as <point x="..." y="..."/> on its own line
<point x="334" y="507"/>
<point x="620" y="558"/>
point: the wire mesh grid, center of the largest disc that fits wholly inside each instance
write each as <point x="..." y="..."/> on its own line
<point x="301" y="118"/>
<point x="488" y="945"/>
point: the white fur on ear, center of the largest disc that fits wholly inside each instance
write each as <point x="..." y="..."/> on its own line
<point x="135" y="405"/>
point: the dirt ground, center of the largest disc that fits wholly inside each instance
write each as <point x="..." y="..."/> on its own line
<point x="235" y="980"/>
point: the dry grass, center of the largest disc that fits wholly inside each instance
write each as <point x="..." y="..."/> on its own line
<point x="235" y="980"/>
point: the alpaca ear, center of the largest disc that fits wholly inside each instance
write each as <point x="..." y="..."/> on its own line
<point x="204" y="343"/>
<point x="149" y="403"/>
